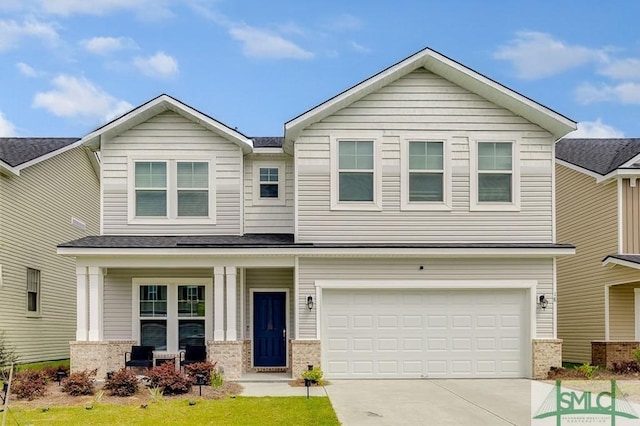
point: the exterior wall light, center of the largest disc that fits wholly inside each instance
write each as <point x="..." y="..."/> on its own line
<point x="542" y="301"/>
<point x="310" y="302"/>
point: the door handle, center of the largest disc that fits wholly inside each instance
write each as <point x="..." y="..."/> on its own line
<point x="284" y="334"/>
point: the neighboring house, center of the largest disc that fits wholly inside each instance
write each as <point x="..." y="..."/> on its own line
<point x="598" y="210"/>
<point x="402" y="229"/>
<point x="49" y="193"/>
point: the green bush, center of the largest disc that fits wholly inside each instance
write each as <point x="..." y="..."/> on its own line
<point x="636" y="355"/>
<point x="587" y="370"/>
<point x="7" y="353"/>
<point x="122" y="383"/>
<point x="314" y="374"/>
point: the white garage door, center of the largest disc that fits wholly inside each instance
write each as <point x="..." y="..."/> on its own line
<point x="424" y="333"/>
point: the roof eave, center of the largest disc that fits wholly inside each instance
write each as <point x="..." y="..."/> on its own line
<point x="613" y="261"/>
<point x="7" y="169"/>
<point x="557" y="124"/>
<point x="156" y="106"/>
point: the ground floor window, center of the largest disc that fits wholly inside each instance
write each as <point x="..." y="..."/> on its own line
<point x="171" y="314"/>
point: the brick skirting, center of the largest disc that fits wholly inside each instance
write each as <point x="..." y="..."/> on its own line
<point x="546" y="353"/>
<point x="605" y="353"/>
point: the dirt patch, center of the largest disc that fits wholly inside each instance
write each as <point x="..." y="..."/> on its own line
<point x="54" y="397"/>
<point x="628" y="383"/>
<point x="299" y="383"/>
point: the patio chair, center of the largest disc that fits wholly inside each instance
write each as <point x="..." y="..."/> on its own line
<point x="140" y="356"/>
<point x="193" y="354"/>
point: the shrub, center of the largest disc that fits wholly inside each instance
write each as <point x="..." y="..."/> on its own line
<point x="587" y="370"/>
<point x="626" y="367"/>
<point x="216" y="379"/>
<point x="122" y="383"/>
<point x="7" y="353"/>
<point x="28" y="384"/>
<point x="314" y="374"/>
<point x="204" y="368"/>
<point x="170" y="380"/>
<point x="79" y="383"/>
<point x="636" y="355"/>
<point x="50" y="372"/>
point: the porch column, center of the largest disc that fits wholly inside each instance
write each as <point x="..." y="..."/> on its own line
<point x="82" y="304"/>
<point x="218" y="301"/>
<point x="231" y="274"/>
<point x="96" y="287"/>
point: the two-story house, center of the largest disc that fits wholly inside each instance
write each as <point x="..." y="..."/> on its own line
<point x="49" y="192"/>
<point x="402" y="229"/>
<point x="598" y="210"/>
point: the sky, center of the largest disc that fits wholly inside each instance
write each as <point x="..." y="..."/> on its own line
<point x="69" y="66"/>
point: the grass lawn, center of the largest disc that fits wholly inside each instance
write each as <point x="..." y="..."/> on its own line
<point x="232" y="411"/>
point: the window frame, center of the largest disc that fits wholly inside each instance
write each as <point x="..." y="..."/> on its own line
<point x="172" y="192"/>
<point x="405" y="171"/>
<point x="474" y="203"/>
<point x="172" y="318"/>
<point x="38" y="293"/>
<point x="269" y="201"/>
<point x="376" y="139"/>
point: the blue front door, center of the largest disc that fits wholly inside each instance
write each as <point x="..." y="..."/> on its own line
<point x="269" y="329"/>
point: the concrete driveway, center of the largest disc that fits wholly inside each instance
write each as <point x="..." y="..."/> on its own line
<point x="473" y="402"/>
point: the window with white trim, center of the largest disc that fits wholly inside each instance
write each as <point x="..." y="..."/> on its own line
<point x="426" y="171"/>
<point x="355" y="171"/>
<point x="171" y="313"/>
<point x="33" y="291"/>
<point x="268" y="183"/>
<point x="495" y="172"/>
<point x="171" y="190"/>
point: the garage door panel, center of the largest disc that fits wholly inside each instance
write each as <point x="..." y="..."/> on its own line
<point x="424" y="333"/>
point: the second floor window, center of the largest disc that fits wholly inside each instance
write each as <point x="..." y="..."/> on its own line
<point x="269" y="181"/>
<point x="355" y="171"/>
<point x="495" y="172"/>
<point x="151" y="188"/>
<point x="426" y="171"/>
<point x="193" y="189"/>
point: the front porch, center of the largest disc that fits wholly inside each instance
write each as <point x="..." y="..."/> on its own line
<point x="246" y="317"/>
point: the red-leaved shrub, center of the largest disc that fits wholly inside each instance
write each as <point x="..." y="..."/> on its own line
<point x="122" y="383"/>
<point x="50" y="372"/>
<point x="204" y="368"/>
<point x="28" y="384"/>
<point x="79" y="383"/>
<point x="170" y="380"/>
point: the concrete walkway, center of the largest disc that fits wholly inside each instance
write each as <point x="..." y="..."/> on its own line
<point x="477" y="402"/>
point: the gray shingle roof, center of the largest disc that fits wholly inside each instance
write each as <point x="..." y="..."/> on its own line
<point x="264" y="241"/>
<point x="16" y="151"/>
<point x="633" y="258"/>
<point x="601" y="156"/>
<point x="267" y="141"/>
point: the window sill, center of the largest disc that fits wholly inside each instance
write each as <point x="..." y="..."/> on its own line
<point x="425" y="207"/>
<point x="494" y="207"/>
<point x="356" y="207"/>
<point x="33" y="315"/>
<point x="268" y="202"/>
<point x="176" y="221"/>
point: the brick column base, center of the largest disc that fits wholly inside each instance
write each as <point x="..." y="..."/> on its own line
<point x="303" y="353"/>
<point x="104" y="356"/>
<point x="546" y="353"/>
<point x="228" y="356"/>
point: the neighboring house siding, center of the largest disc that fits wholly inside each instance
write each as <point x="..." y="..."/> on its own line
<point x="268" y="219"/>
<point x="587" y="216"/>
<point x="268" y="278"/>
<point x="422" y="105"/>
<point x="622" y="312"/>
<point x="159" y="137"/>
<point x="35" y="216"/>
<point x="630" y="217"/>
<point x="435" y="269"/>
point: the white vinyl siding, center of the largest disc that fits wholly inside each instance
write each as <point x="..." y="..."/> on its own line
<point x="36" y="209"/>
<point x="271" y="215"/>
<point x="169" y="137"/>
<point x="435" y="269"/>
<point x="423" y="106"/>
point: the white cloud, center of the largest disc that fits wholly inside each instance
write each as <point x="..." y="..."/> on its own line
<point x="258" y="43"/>
<point x="344" y="22"/>
<point x="595" y="129"/>
<point x="625" y="69"/>
<point x="12" y="32"/>
<point x="26" y="69"/>
<point x="159" y="65"/>
<point x="626" y="93"/>
<point x="107" y="45"/>
<point x="6" y="127"/>
<point x="78" y="97"/>
<point x="538" y="55"/>
<point x="145" y="9"/>
<point x="359" y="48"/>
